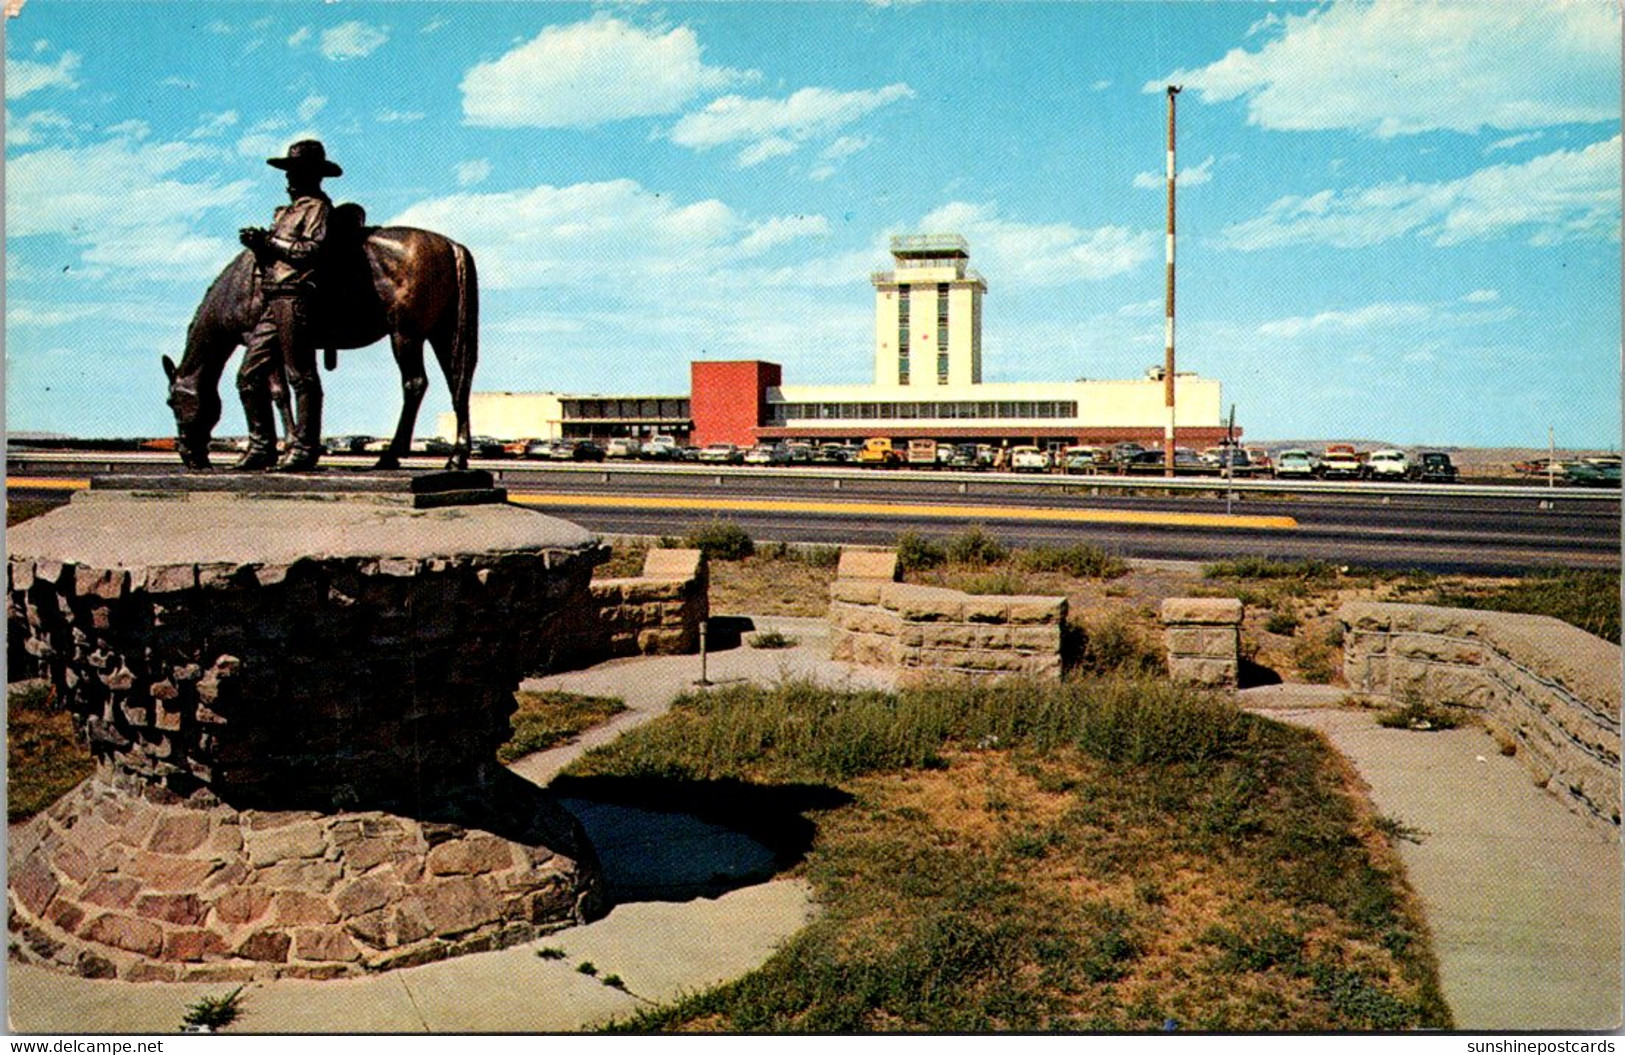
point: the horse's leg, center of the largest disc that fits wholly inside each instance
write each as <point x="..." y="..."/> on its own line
<point x="408" y="351"/>
<point x="445" y="351"/>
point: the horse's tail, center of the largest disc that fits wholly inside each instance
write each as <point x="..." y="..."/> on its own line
<point x="465" y="342"/>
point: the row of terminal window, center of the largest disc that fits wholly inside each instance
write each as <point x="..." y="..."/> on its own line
<point x="946" y="410"/>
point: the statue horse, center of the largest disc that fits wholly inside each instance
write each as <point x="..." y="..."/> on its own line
<point x="401" y="282"/>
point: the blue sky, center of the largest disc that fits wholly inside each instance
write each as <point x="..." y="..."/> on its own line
<point x="1397" y="220"/>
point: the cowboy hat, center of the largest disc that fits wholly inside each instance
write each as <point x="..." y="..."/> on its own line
<point x="307" y="154"/>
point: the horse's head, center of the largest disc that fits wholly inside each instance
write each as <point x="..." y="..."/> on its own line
<point x="197" y="410"/>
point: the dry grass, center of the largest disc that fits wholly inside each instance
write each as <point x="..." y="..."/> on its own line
<point x="44" y="758"/>
<point x="1029" y="883"/>
<point x="548" y="719"/>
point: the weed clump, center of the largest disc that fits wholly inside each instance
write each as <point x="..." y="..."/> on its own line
<point x="976" y="546"/>
<point x="1586" y="599"/>
<point x="209" y="1013"/>
<point x="44" y="757"/>
<point x="1413" y="712"/>
<point x="720" y="540"/>
<point x="547" y="719"/>
<point x="1079" y="560"/>
<point x="770" y="639"/>
<point x="915" y="552"/>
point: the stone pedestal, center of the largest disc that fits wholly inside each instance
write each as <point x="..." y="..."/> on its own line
<point x="1204" y="640"/>
<point x="294" y="697"/>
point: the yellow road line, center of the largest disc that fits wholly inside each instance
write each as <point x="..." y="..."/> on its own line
<point x="46" y="483"/>
<point x="957" y="512"/>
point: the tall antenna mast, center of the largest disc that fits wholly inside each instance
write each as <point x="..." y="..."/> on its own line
<point x="1168" y="363"/>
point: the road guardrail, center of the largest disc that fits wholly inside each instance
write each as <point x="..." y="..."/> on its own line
<point x="93" y="462"/>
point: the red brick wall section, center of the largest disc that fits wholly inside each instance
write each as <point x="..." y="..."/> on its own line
<point x="729" y="399"/>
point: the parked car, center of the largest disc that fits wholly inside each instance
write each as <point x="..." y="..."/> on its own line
<point x="487" y="447"/>
<point x="1296" y="463"/>
<point x="540" y="448"/>
<point x="346" y="444"/>
<point x="878" y="452"/>
<point x="829" y="454"/>
<point x="577" y="451"/>
<point x="1233" y="458"/>
<point x="1434" y="467"/>
<point x="659" y="448"/>
<point x="761" y="454"/>
<point x="721" y="454"/>
<point x="686" y="453"/>
<point x="1262" y="462"/>
<point x="1599" y="471"/>
<point x="623" y="447"/>
<point x="1084" y="459"/>
<point x="1389" y="465"/>
<point x="1028" y="460"/>
<point x="1341" y="459"/>
<point x="1124" y="454"/>
<point x="922" y="454"/>
<point x="964" y="456"/>
<point x="799" y="454"/>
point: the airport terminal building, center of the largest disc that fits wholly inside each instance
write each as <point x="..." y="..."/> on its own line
<point x="927" y="385"/>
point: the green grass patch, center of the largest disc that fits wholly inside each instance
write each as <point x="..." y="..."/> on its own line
<point x="1317" y="661"/>
<point x="976" y="546"/>
<point x="44" y="758"/>
<point x="548" y="719"/>
<point x="1416" y="713"/>
<point x="916" y="552"/>
<point x="1112" y="643"/>
<point x="770" y="639"/>
<point x="210" y="1013"/>
<point x="995" y="582"/>
<point x="1283" y="623"/>
<point x="1586" y="599"/>
<point x="1103" y="854"/>
<point x="1079" y="560"/>
<point x="1266" y="568"/>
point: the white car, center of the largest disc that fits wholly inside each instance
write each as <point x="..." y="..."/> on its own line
<point x="1388" y="465"/>
<point x="1028" y="459"/>
<point x="1296" y="463"/>
<point x="622" y="447"/>
<point x="761" y="454"/>
<point x="724" y="453"/>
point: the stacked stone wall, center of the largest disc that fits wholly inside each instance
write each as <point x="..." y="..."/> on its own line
<point x="1546" y="690"/>
<point x="656" y="613"/>
<point x="926" y="631"/>
<point x="1203" y="637"/>
<point x="390" y="675"/>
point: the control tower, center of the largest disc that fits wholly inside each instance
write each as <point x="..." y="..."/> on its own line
<point x="928" y="315"/>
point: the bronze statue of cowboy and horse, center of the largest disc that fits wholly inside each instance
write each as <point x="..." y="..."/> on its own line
<point x="401" y="282"/>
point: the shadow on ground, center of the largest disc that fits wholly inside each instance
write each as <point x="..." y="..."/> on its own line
<point x="676" y="840"/>
<point x="1251" y="675"/>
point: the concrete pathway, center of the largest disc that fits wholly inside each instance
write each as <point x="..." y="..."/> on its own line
<point x="1522" y="896"/>
<point x="659" y="949"/>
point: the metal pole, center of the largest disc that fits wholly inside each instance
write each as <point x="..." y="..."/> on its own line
<point x="704" y="682"/>
<point x="1551" y="456"/>
<point x="1168" y="360"/>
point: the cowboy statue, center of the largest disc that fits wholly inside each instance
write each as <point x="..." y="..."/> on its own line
<point x="287" y="258"/>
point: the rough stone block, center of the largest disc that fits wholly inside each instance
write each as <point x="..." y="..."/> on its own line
<point x="123" y="932"/>
<point x="277" y="844"/>
<point x="874" y="565"/>
<point x="856" y="591"/>
<point x="1027" y="611"/>
<point x="923" y="604"/>
<point x="681" y="564"/>
<point x="1206" y="611"/>
<point x="178" y="833"/>
<point x="268" y="945"/>
<point x="1183" y="640"/>
<point x="1221" y="644"/>
<point x="324" y="943"/>
<point x="474" y="855"/>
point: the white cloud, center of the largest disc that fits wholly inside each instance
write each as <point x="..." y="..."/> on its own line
<point x="1482" y="296"/>
<point x="1042" y="254"/>
<point x="1555" y="197"/>
<point x="757" y="153"/>
<point x="1100" y="85"/>
<point x="34" y="127"/>
<point x="125" y="202"/>
<point x="271" y="138"/>
<point x="298" y="36"/>
<point x="584" y="74"/>
<point x="783" y="229"/>
<point x="25" y="75"/>
<point x="1512" y="141"/>
<point x="845" y="147"/>
<point x="400" y="116"/>
<point x="805" y="114"/>
<point x="213" y="124"/>
<point x="471" y="172"/>
<point x="1398" y="67"/>
<point x="310" y="106"/>
<point x="1363" y="318"/>
<point x="352" y="40"/>
<point x="1194" y="176"/>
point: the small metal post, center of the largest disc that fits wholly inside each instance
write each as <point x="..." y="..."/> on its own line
<point x="704" y="682"/>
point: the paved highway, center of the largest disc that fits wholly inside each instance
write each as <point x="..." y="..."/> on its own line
<point x="1380" y="527"/>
